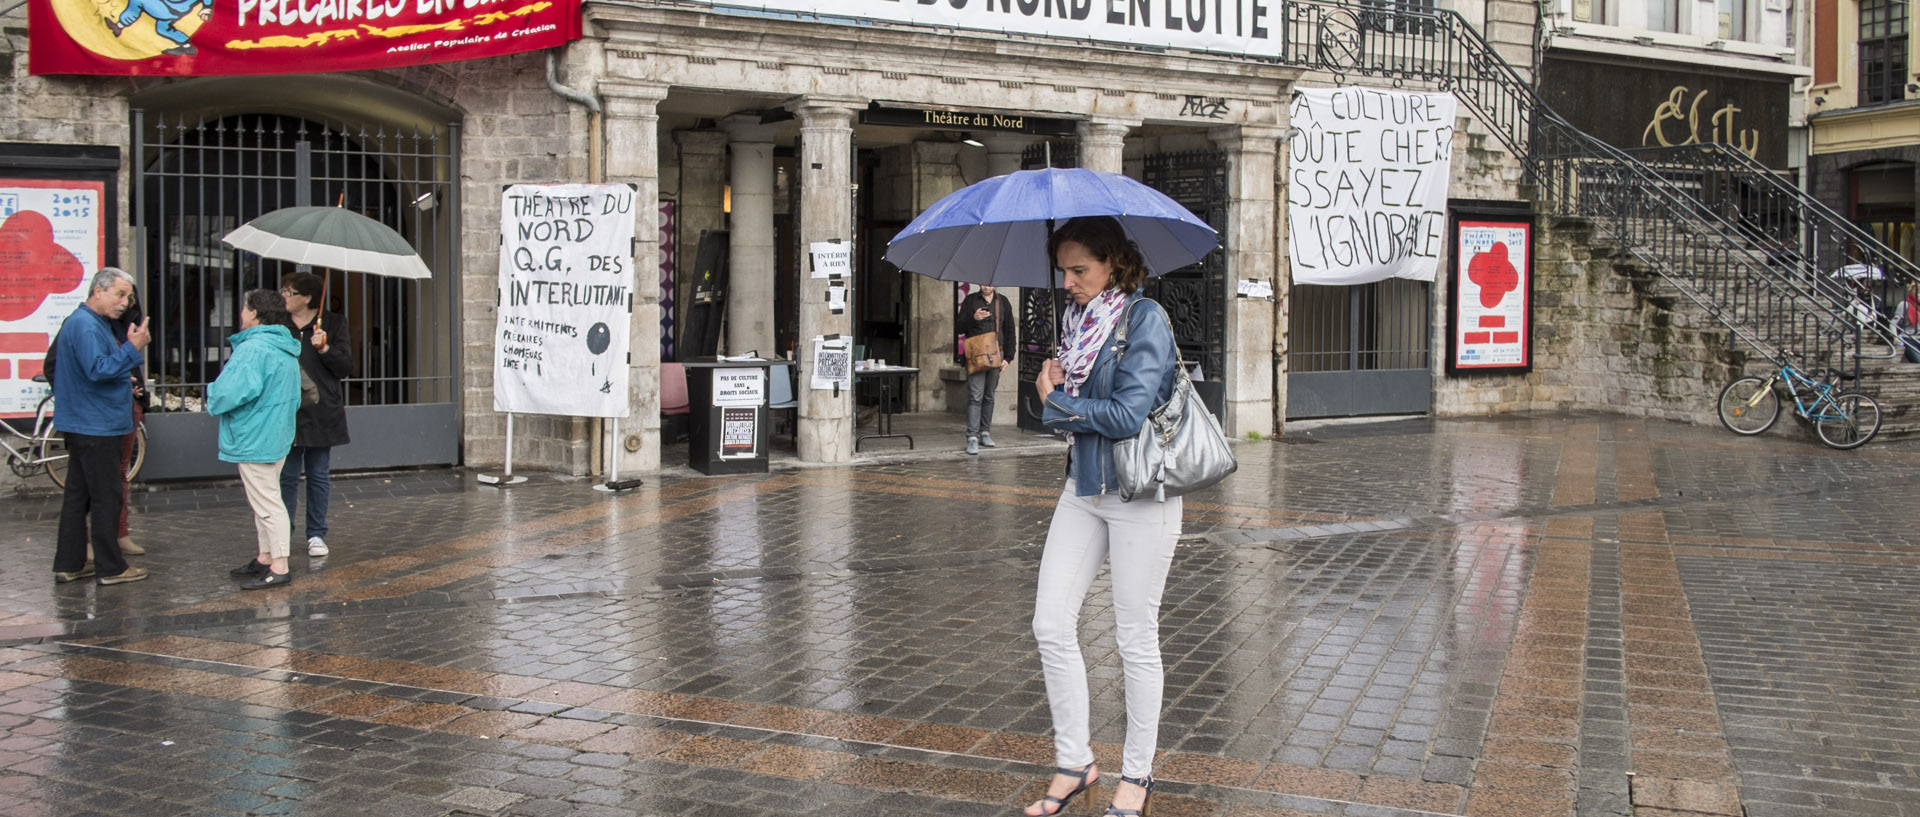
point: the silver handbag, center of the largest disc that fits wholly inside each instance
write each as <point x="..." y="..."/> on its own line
<point x="1180" y="448"/>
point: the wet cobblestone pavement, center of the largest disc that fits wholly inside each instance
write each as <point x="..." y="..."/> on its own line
<point x="1527" y="616"/>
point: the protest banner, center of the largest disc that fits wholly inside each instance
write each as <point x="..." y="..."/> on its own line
<point x="566" y="292"/>
<point x="202" y="38"/>
<point x="1367" y="184"/>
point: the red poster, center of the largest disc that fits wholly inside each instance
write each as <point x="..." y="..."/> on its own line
<point x="1491" y="316"/>
<point x="198" y="38"/>
<point x="52" y="236"/>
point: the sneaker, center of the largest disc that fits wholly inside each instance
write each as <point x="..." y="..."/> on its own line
<point x="268" y="579"/>
<point x="986" y="439"/>
<point x="129" y="548"/>
<point x="253" y="567"/>
<point x="85" y="572"/>
<point x="973" y="445"/>
<point x="131" y="574"/>
<point x="317" y="546"/>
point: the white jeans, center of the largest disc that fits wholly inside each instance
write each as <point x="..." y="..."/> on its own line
<point x="1136" y="539"/>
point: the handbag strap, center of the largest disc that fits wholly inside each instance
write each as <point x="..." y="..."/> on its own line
<point x="1120" y="335"/>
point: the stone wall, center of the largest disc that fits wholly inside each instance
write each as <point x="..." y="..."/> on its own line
<point x="1608" y="335"/>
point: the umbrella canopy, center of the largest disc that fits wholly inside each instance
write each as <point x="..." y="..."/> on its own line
<point x="1861" y="272"/>
<point x="332" y="237"/>
<point x="995" y="232"/>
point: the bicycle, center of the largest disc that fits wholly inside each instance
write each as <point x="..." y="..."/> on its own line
<point x="1843" y="420"/>
<point x="45" y="449"/>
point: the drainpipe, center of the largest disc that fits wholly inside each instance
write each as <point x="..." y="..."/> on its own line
<point x="585" y="432"/>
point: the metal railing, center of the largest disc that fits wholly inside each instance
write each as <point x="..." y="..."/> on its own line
<point x="1777" y="302"/>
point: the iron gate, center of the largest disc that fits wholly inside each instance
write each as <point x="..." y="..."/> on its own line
<point x="1359" y="349"/>
<point x="195" y="180"/>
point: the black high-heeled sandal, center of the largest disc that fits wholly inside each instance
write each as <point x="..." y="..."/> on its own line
<point x="1087" y="777"/>
<point x="1142" y="782"/>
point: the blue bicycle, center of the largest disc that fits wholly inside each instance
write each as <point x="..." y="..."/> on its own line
<point x="1842" y="420"/>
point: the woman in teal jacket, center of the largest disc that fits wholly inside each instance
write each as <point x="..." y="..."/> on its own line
<point x="256" y="397"/>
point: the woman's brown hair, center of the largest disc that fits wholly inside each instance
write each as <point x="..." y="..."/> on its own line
<point x="1105" y="241"/>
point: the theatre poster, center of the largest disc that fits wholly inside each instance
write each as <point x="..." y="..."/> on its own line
<point x="1490" y="314"/>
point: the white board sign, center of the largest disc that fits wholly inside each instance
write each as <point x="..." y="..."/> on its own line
<point x="566" y="291"/>
<point x="830" y="259"/>
<point x="1367" y="184"/>
<point x="740" y="387"/>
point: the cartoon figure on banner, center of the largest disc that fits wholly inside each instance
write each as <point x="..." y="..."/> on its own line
<point x="95" y="26"/>
<point x="598" y="339"/>
<point x="164" y="13"/>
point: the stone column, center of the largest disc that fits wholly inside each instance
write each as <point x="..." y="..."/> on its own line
<point x="1252" y="227"/>
<point x="633" y="157"/>
<point x="1003" y="156"/>
<point x="826" y="214"/>
<point x="750" y="254"/>
<point x="703" y="174"/>
<point x="1102" y="141"/>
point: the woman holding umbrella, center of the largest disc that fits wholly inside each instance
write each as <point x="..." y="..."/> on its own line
<point x="327" y="358"/>
<point x="1098" y="397"/>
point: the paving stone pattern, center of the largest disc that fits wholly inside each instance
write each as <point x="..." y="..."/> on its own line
<point x="1525" y="615"/>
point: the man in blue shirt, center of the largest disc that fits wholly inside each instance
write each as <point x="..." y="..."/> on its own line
<point x="93" y="407"/>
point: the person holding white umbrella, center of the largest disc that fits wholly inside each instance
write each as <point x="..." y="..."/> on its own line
<point x="327" y="357"/>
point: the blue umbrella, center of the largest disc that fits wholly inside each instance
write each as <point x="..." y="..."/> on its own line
<point x="995" y="232"/>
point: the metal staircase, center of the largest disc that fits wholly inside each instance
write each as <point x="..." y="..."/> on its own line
<point x="1724" y="231"/>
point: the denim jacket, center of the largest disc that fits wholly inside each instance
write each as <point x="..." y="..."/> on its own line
<point x="1115" y="401"/>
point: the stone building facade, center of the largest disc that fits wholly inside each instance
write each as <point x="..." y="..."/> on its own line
<point x="760" y="124"/>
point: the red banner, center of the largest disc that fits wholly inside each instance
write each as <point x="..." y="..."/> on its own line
<point x="193" y="38"/>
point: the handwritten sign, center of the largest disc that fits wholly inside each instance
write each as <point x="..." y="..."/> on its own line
<point x="1367" y="190"/>
<point x="52" y="237"/>
<point x="566" y="286"/>
<point x="830" y="259"/>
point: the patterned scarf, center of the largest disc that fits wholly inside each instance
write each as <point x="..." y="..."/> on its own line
<point x="1083" y="331"/>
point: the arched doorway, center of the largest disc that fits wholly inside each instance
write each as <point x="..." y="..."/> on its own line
<point x="200" y="173"/>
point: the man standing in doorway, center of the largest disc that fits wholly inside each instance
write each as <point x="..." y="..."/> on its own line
<point x="981" y="312"/>
<point x="93" y="408"/>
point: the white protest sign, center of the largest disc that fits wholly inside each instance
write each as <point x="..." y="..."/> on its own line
<point x="1367" y="185"/>
<point x="831" y="259"/>
<point x="566" y="284"/>
<point x="745" y="386"/>
<point x="1230" y="26"/>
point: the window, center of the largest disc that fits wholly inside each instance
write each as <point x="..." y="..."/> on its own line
<point x="1883" y="203"/>
<point x="1733" y="19"/>
<point x="1398" y="16"/>
<point x="1883" y="51"/>
<point x="1590" y="11"/>
<point x="1663" y="15"/>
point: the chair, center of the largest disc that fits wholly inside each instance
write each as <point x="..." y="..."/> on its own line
<point x="675" y="405"/>
<point x="780" y="396"/>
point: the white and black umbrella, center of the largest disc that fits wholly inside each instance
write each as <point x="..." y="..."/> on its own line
<point x="330" y="237"/>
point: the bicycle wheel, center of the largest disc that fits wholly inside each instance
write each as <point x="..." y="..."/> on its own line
<point x="1748" y="405"/>
<point x="52" y="453"/>
<point x="1848" y="421"/>
<point x="139" y="457"/>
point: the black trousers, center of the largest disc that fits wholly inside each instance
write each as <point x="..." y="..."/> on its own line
<point x="91" y="506"/>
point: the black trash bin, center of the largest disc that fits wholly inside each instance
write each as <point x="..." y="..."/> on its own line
<point x="727" y="421"/>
